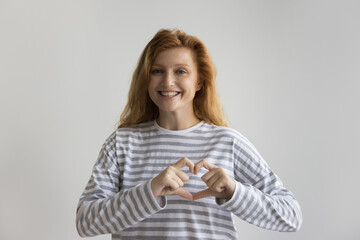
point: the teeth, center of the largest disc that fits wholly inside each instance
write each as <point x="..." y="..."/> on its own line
<point x="168" y="94"/>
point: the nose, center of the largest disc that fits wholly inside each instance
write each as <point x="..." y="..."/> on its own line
<point x="169" y="79"/>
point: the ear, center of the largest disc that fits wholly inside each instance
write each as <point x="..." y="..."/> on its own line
<point x="199" y="85"/>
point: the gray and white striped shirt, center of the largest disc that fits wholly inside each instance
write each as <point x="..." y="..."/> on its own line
<point x="118" y="197"/>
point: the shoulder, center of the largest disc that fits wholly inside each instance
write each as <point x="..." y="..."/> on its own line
<point x="141" y="128"/>
<point x="123" y="136"/>
<point x="226" y="132"/>
<point x="132" y="133"/>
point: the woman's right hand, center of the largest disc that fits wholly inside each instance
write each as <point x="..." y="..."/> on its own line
<point x="171" y="180"/>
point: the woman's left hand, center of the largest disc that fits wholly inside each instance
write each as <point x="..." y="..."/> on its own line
<point x="219" y="184"/>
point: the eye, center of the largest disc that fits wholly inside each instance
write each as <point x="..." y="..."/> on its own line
<point x="156" y="71"/>
<point x="181" y="71"/>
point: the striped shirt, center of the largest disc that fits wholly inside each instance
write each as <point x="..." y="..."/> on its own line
<point x="118" y="197"/>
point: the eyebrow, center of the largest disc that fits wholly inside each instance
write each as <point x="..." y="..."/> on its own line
<point x="176" y="65"/>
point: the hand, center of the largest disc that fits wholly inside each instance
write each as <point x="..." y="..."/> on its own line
<point x="171" y="180"/>
<point x="219" y="184"/>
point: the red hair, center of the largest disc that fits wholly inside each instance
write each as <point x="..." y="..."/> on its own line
<point x="140" y="107"/>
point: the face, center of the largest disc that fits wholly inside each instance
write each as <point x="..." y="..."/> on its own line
<point x="174" y="81"/>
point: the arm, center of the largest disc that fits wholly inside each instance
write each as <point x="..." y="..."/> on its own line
<point x="106" y="208"/>
<point x="260" y="197"/>
<point x="271" y="207"/>
<point x="256" y="195"/>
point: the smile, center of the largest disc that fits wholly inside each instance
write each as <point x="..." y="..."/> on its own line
<point x="169" y="94"/>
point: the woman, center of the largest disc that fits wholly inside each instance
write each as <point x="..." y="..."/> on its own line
<point x="173" y="169"/>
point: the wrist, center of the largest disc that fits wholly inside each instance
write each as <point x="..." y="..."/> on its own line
<point x="153" y="188"/>
<point x="231" y="189"/>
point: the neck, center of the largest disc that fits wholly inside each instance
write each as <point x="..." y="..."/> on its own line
<point x="173" y="121"/>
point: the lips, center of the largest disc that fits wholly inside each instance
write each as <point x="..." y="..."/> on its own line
<point x="168" y="93"/>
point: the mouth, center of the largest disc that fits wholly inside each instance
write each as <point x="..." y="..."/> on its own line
<point x="168" y="94"/>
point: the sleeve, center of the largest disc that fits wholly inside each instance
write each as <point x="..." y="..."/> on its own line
<point x="106" y="208"/>
<point x="260" y="197"/>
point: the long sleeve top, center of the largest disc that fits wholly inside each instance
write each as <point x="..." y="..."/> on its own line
<point x="118" y="197"/>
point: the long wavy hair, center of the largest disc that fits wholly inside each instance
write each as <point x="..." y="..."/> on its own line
<point x="140" y="108"/>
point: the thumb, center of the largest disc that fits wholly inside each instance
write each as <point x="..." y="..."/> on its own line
<point x="183" y="193"/>
<point x="203" y="194"/>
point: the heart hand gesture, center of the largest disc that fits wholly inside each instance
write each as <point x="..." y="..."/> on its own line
<point x="219" y="184"/>
<point x="171" y="180"/>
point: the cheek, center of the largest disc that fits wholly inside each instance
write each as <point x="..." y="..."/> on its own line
<point x="151" y="92"/>
<point x="195" y="86"/>
<point x="151" y="86"/>
<point x="153" y="83"/>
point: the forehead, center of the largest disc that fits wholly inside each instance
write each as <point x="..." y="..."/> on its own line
<point x="175" y="56"/>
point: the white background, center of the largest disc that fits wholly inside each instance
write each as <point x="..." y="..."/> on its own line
<point x="288" y="76"/>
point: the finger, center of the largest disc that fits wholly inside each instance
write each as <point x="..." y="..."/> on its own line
<point x="219" y="185"/>
<point x="172" y="184"/>
<point x="198" y="165"/>
<point x="185" y="162"/>
<point x="209" y="166"/>
<point x="208" y="175"/>
<point x="204" y="163"/>
<point x="215" y="180"/>
<point x="178" y="181"/>
<point x="203" y="194"/>
<point x="183" y="193"/>
<point x="177" y="172"/>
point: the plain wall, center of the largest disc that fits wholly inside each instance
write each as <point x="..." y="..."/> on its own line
<point x="288" y="77"/>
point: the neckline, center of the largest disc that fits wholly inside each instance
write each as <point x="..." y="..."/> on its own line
<point x="177" y="132"/>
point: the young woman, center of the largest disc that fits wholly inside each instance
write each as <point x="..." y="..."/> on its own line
<point x="173" y="169"/>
